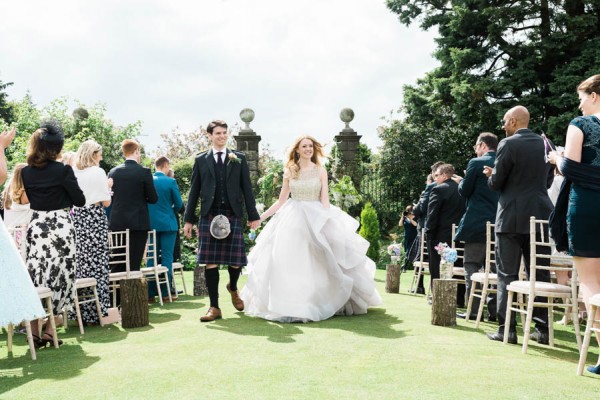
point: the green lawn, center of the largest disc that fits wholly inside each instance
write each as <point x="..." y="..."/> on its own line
<point x="392" y="352"/>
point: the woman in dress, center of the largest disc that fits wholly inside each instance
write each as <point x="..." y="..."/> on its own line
<point x="51" y="188"/>
<point x="91" y="227"/>
<point x="19" y="300"/>
<point x="16" y="213"/>
<point x="582" y="149"/>
<point x="308" y="262"/>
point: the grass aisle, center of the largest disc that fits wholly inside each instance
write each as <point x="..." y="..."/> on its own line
<point x="392" y="352"/>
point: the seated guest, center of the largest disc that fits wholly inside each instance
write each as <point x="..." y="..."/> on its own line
<point x="16" y="213"/>
<point x="91" y="227"/>
<point x="51" y="188"/>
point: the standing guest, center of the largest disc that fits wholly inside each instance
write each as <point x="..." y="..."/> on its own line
<point x="164" y="221"/>
<point x="91" y="227"/>
<point x="482" y="203"/>
<point x="581" y="167"/>
<point x="178" y="215"/>
<point x="16" y="213"/>
<point x="522" y="178"/>
<point x="446" y="207"/>
<point x="410" y="229"/>
<point x="51" y="188"/>
<point x="133" y="189"/>
<point x="220" y="178"/>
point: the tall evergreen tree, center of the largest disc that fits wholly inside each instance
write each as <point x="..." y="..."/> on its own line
<point x="6" y="111"/>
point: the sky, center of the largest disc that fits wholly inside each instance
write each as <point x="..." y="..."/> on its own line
<point x="170" y="64"/>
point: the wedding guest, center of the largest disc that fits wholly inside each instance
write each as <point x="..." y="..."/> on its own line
<point x="16" y="213"/>
<point x="410" y="229"/>
<point x="91" y="227"/>
<point x="51" y="188"/>
<point x="581" y="167"/>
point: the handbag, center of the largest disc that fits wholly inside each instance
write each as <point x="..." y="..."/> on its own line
<point x="557" y="223"/>
<point x="220" y="227"/>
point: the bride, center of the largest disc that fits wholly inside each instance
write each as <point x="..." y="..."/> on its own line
<point x="308" y="262"/>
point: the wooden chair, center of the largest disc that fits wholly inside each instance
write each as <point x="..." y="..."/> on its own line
<point x="153" y="271"/>
<point x="458" y="272"/>
<point x="118" y="245"/>
<point x="532" y="289"/>
<point x="421" y="267"/>
<point x="179" y="270"/>
<point x="86" y="283"/>
<point x="486" y="280"/>
<point x="589" y="328"/>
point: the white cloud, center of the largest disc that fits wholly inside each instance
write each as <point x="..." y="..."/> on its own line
<point x="182" y="63"/>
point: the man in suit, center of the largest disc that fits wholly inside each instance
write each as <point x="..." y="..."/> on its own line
<point x="133" y="190"/>
<point x="482" y="203"/>
<point x="446" y="207"/>
<point x="221" y="180"/>
<point x="164" y="221"/>
<point x="521" y="177"/>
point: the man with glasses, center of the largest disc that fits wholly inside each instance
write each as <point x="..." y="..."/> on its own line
<point x="482" y="203"/>
<point x="522" y="178"/>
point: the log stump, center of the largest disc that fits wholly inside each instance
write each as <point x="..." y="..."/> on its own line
<point x="392" y="278"/>
<point x="200" y="288"/>
<point x="134" y="303"/>
<point x="443" y="307"/>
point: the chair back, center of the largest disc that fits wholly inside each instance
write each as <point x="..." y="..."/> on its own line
<point x="490" y="249"/>
<point x="539" y="239"/>
<point x="150" y="252"/>
<point x="19" y="235"/>
<point x="460" y="247"/>
<point x="118" y="247"/>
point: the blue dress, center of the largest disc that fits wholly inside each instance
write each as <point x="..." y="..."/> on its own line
<point x="19" y="300"/>
<point x="583" y="217"/>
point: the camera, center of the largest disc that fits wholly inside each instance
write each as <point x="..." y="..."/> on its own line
<point x="404" y="213"/>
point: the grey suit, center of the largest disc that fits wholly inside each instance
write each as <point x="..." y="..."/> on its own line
<point x="520" y="175"/>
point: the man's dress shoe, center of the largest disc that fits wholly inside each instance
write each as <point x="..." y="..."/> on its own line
<point x="594" y="369"/>
<point x="512" y="337"/>
<point x="540" y="337"/>
<point x="464" y="316"/>
<point x="235" y="299"/>
<point x="212" y="314"/>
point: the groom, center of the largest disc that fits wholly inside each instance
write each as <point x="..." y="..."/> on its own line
<point x="221" y="179"/>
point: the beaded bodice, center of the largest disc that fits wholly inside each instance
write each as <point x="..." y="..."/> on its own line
<point x="307" y="187"/>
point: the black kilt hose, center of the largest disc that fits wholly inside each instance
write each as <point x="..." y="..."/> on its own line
<point x="228" y="251"/>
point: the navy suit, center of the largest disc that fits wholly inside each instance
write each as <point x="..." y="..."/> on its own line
<point x="164" y="221"/>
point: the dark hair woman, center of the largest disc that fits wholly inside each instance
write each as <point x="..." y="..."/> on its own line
<point x="51" y="189"/>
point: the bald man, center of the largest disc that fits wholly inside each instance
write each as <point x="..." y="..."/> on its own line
<point x="521" y="177"/>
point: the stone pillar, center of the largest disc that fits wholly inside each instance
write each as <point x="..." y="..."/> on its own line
<point x="347" y="142"/>
<point x="247" y="142"/>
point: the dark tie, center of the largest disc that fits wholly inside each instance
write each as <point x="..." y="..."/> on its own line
<point x="219" y="159"/>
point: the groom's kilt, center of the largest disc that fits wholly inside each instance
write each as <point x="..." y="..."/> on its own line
<point x="228" y="251"/>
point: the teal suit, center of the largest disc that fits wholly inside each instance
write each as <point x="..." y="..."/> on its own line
<point x="163" y="220"/>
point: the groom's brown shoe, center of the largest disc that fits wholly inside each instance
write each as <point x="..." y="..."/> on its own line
<point x="235" y="299"/>
<point x="212" y="314"/>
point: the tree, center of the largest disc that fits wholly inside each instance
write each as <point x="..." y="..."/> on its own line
<point x="493" y="55"/>
<point x="370" y="230"/>
<point x="6" y="111"/>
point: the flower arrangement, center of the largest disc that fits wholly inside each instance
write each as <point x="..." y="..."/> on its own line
<point x="449" y="257"/>
<point x="233" y="158"/>
<point x="344" y="193"/>
<point x="394" y="250"/>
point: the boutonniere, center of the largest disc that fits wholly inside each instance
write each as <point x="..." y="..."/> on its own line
<point x="233" y="158"/>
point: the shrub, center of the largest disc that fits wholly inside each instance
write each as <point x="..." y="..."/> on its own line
<point x="370" y="230"/>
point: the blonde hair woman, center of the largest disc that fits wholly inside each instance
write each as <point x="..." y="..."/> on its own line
<point x="91" y="226"/>
<point x="308" y="263"/>
<point x="16" y="210"/>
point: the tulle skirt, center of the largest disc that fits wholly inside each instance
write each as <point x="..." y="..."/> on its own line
<point x="309" y="264"/>
<point x="19" y="300"/>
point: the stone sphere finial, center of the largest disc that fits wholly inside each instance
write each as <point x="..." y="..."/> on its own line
<point x="247" y="115"/>
<point x="347" y="115"/>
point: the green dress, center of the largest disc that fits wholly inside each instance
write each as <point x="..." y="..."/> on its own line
<point x="583" y="217"/>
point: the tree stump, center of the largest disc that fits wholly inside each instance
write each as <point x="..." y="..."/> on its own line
<point x="443" y="307"/>
<point x="200" y="288"/>
<point x="392" y="278"/>
<point x="134" y="303"/>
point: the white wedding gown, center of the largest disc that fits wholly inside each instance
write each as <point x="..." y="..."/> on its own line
<point x="308" y="262"/>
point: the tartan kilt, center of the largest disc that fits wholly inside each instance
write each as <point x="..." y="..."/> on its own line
<point x="228" y="251"/>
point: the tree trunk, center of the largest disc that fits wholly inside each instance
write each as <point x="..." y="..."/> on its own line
<point x="443" y="307"/>
<point x="392" y="278"/>
<point x="200" y="288"/>
<point x="134" y="303"/>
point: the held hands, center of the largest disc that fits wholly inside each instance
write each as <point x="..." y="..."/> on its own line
<point x="487" y="171"/>
<point x="254" y="224"/>
<point x="6" y="138"/>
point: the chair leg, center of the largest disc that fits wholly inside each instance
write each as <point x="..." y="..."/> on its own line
<point x="78" y="313"/>
<point x="9" y="337"/>
<point x="98" y="307"/>
<point x="484" y="291"/>
<point x="586" y="340"/>
<point x="30" y="340"/>
<point x="528" y="320"/>
<point x="157" y="280"/>
<point x="182" y="280"/>
<point x="551" y="322"/>
<point x="168" y="286"/>
<point x="470" y="301"/>
<point x="51" y="321"/>
<point x="508" y="316"/>
<point x="575" y="310"/>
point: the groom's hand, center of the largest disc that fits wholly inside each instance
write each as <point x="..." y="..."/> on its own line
<point x="254" y="224"/>
<point x="187" y="230"/>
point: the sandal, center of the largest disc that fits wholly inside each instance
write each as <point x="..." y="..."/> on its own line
<point x="38" y="343"/>
<point x="51" y="340"/>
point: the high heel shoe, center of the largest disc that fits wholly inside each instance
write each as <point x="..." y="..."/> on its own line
<point x="51" y="340"/>
<point x="595" y="369"/>
<point x="38" y="343"/>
